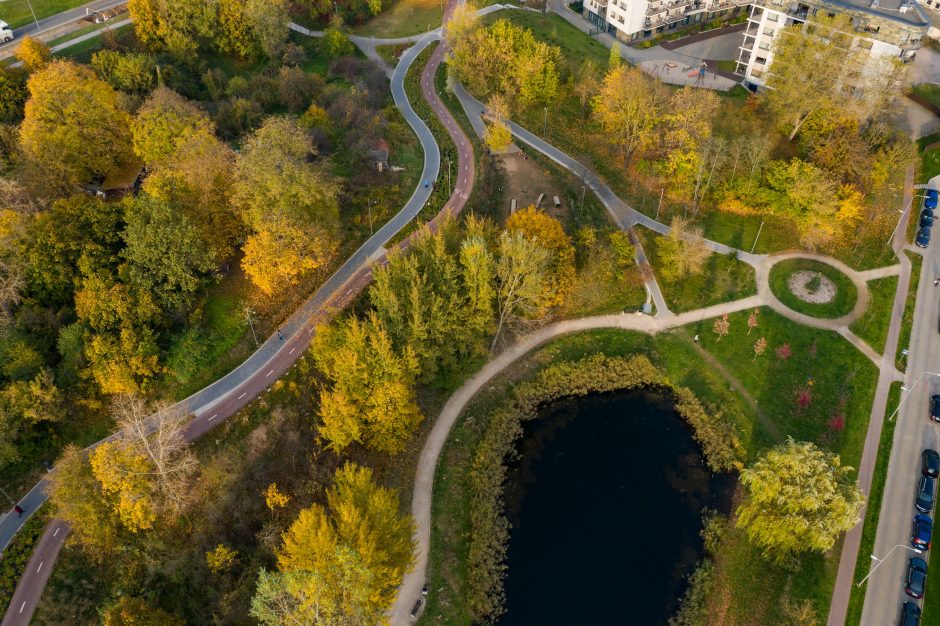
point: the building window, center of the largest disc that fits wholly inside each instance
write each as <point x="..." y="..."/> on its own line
<point x="772" y="17"/>
<point x="760" y="60"/>
<point x="769" y="32"/>
<point x="764" y="46"/>
<point x="647" y="33"/>
<point x="757" y="73"/>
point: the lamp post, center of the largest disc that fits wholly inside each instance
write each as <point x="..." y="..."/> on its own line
<point x="885" y="558"/>
<point x="545" y="124"/>
<point x="891" y="238"/>
<point x="913" y="387"/>
<point x="38" y="29"/>
<point x="248" y="313"/>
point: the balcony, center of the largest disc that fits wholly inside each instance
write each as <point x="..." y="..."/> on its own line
<point x="747" y="45"/>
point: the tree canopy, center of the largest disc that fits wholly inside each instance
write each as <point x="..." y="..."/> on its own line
<point x="799" y="499"/>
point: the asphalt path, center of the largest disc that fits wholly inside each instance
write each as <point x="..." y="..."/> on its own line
<point x="275" y="356"/>
<point x="913" y="432"/>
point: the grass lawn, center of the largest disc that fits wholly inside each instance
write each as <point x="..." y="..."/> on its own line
<point x="840" y="381"/>
<point x="873" y="326"/>
<point x="928" y="92"/>
<point x="405" y="17"/>
<point x="724" y="278"/>
<point x="907" y="322"/>
<point x="863" y="564"/>
<point x="845" y="296"/>
<point x="81" y="52"/>
<point x="741" y="231"/>
<point x="929" y="161"/>
<point x="17" y="12"/>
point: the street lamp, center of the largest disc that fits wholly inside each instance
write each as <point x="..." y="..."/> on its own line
<point x="913" y="387"/>
<point x="885" y="558"/>
<point x="38" y="29"/>
<point x="891" y="238"/>
<point x="248" y="313"/>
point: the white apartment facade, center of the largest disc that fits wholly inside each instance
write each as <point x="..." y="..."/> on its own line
<point x="632" y="20"/>
<point x="893" y="28"/>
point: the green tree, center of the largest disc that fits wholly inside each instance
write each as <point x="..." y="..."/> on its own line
<point x="131" y="72"/>
<point x="163" y="122"/>
<point x="335" y="41"/>
<point x="73" y="125"/>
<point x="615" y="59"/>
<point x="799" y="499"/>
<point x="289" y="203"/>
<point x="371" y="399"/>
<point x="165" y="254"/>
<point x="629" y="108"/>
<point x="13" y="95"/>
<point x="498" y="137"/>
<point x="130" y="611"/>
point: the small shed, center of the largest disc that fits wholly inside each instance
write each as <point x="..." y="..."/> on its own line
<point x="378" y="155"/>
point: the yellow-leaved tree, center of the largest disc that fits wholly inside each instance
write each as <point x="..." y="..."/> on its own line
<point x="346" y="562"/>
<point x="288" y="201"/>
<point x="73" y="127"/>
<point x="799" y="499"/>
<point x="371" y="399"/>
<point x="544" y="230"/>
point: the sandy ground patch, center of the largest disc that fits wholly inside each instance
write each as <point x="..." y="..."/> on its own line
<point x="526" y="179"/>
<point x="801" y="287"/>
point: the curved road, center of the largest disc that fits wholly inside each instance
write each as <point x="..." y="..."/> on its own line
<point x="227" y="395"/>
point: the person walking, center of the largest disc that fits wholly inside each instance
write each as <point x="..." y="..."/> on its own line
<point x="19" y="510"/>
<point x="936" y="281"/>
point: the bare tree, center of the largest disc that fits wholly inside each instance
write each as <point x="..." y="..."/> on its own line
<point x="158" y="434"/>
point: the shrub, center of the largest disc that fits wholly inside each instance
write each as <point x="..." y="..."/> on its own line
<point x="294" y="55"/>
<point x="693" y="608"/>
<point x="296" y="88"/>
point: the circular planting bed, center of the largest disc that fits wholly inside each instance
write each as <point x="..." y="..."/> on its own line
<point x="813" y="288"/>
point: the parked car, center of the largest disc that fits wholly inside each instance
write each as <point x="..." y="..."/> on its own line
<point x="930" y="463"/>
<point x="931" y="198"/>
<point x="925" y="491"/>
<point x="922" y="531"/>
<point x="926" y="219"/>
<point x="935" y="408"/>
<point x="916" y="577"/>
<point x="6" y="33"/>
<point x="416" y="609"/>
<point x="923" y="237"/>
<point x="910" y="614"/>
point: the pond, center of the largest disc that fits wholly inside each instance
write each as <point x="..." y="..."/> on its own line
<point x="605" y="503"/>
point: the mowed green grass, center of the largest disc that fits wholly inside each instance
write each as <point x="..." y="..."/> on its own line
<point x="872" y="327"/>
<point x="907" y="322"/>
<point x="841" y="304"/>
<point x="929" y="160"/>
<point x="16" y="12"/>
<point x="724" y="278"/>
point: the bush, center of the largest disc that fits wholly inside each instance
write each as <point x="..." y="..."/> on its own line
<point x="236" y="116"/>
<point x="131" y="72"/>
<point x="693" y="608"/>
<point x="296" y="88"/>
<point x="294" y="55"/>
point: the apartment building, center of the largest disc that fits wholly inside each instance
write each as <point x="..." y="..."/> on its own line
<point x="632" y="20"/>
<point x="883" y="27"/>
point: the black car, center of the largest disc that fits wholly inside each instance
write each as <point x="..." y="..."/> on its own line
<point x="910" y="614"/>
<point x="923" y="238"/>
<point x="935" y="408"/>
<point x="916" y="578"/>
<point x="925" y="491"/>
<point x="926" y="219"/>
<point x="922" y="531"/>
<point x="930" y="463"/>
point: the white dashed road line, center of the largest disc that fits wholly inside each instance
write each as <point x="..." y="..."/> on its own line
<point x="213" y="417"/>
<point x="242" y="396"/>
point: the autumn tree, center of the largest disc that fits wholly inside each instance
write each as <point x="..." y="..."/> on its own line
<point x="628" y="108"/>
<point x="128" y="71"/>
<point x="463" y="22"/>
<point x="721" y="326"/>
<point x="816" y="73"/>
<point x="77" y="498"/>
<point x="547" y="232"/>
<point x="12" y="268"/>
<point x="760" y="346"/>
<point x="73" y="125"/>
<point x="346" y="559"/>
<point x="131" y="611"/>
<point x="507" y="59"/>
<point x="752" y="321"/>
<point x="162" y="122"/>
<point x="221" y="558"/>
<point x="683" y="251"/>
<point x="371" y="399"/>
<point x="33" y="54"/>
<point x="799" y="499"/>
<point x="13" y="94"/>
<point x="289" y="202"/>
<point x="522" y="272"/>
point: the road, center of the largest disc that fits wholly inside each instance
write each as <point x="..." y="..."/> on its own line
<point x="57" y="20"/>
<point x="226" y="396"/>
<point x="913" y="433"/>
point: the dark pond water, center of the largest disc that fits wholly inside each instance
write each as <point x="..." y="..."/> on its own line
<point x="605" y="504"/>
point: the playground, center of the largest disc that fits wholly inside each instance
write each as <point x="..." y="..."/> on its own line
<point x="680" y="73"/>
